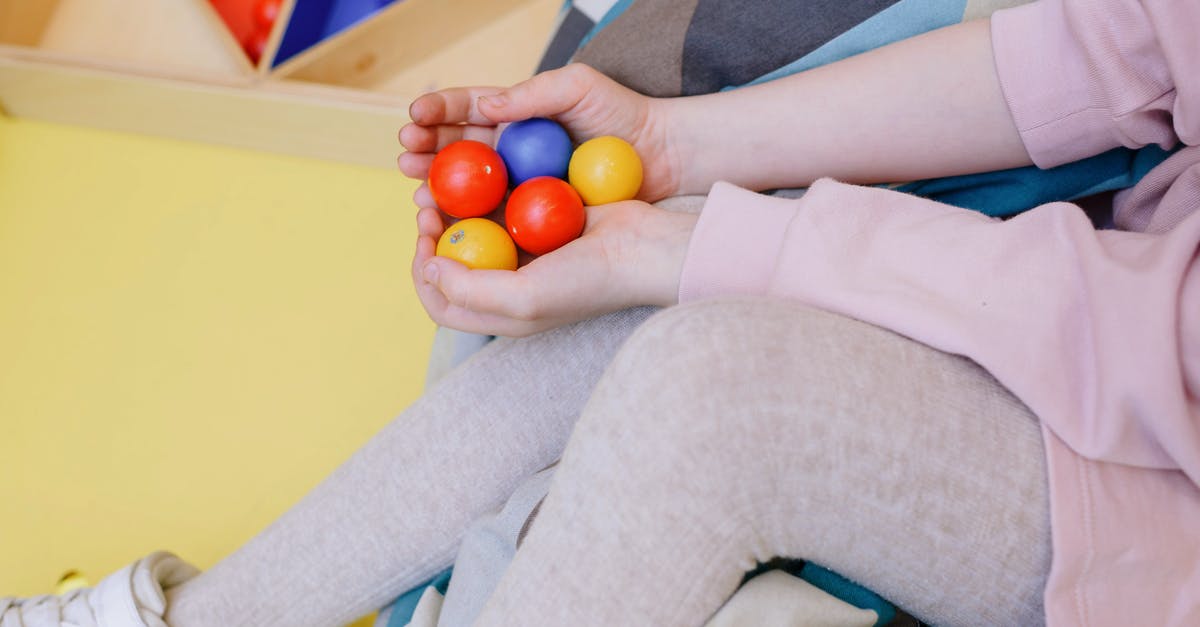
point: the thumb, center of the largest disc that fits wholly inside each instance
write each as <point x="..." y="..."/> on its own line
<point x="496" y="292"/>
<point x="545" y="95"/>
<point x="431" y="271"/>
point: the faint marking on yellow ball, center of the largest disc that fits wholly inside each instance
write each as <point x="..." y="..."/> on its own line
<point x="70" y="580"/>
<point x="479" y="244"/>
<point x="605" y="169"/>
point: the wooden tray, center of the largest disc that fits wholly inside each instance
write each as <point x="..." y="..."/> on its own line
<point x="172" y="68"/>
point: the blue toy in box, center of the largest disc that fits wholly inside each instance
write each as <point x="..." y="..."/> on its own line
<point x="313" y="21"/>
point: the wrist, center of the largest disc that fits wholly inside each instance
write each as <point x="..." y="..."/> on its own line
<point x="679" y="140"/>
<point x="682" y="131"/>
<point x="713" y="140"/>
<point x="662" y="247"/>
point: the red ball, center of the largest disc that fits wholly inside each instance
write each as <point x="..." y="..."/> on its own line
<point x="543" y="214"/>
<point x="468" y="179"/>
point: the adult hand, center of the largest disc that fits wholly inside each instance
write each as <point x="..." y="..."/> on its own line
<point x="587" y="103"/>
<point x="631" y="253"/>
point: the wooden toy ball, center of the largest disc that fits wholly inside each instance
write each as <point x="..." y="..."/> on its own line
<point x="605" y="169"/>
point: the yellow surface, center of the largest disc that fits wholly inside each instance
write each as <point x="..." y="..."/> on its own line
<point x="191" y="337"/>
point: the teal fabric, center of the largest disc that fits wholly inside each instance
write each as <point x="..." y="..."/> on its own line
<point x="848" y="591"/>
<point x="1008" y="192"/>
<point x="900" y="21"/>
<point x="1003" y="193"/>
<point x="404" y="605"/>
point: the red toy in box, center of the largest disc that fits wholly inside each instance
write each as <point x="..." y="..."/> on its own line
<point x="250" y="21"/>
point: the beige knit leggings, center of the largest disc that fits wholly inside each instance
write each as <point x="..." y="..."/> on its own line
<point x="721" y="434"/>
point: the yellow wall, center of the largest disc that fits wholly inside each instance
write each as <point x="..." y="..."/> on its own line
<point x="190" y="338"/>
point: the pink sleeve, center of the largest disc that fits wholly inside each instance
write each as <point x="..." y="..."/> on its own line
<point x="1083" y="76"/>
<point x="1097" y="331"/>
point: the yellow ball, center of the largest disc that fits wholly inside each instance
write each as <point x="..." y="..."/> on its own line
<point x="605" y="169"/>
<point x="71" y="580"/>
<point x="479" y="244"/>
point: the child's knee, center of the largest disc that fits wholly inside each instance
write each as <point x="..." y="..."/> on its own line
<point x="689" y="385"/>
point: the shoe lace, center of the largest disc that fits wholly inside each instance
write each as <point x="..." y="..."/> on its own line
<point x="66" y="610"/>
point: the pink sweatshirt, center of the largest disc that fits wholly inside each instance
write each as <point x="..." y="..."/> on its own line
<point x="1098" y="332"/>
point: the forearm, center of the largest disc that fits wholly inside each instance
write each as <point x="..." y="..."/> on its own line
<point x="924" y="107"/>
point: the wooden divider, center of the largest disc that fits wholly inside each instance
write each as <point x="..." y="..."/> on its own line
<point x="268" y="58"/>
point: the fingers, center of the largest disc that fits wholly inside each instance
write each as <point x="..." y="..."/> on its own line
<point x="456" y="317"/>
<point x="450" y="115"/>
<point x="500" y="292"/>
<point x="416" y="138"/>
<point x="455" y="314"/>
<point x="476" y="300"/>
<point x="423" y="197"/>
<point x="415" y="165"/>
<point x="461" y="310"/>
<point x="420" y="144"/>
<point x="484" y="290"/>
<point x="440" y="119"/>
<point x="429" y="223"/>
<point x="456" y="105"/>
<point x="545" y="95"/>
<point x="431" y="298"/>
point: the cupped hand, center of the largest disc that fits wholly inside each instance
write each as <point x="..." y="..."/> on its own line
<point x="587" y="103"/>
<point x="631" y="253"/>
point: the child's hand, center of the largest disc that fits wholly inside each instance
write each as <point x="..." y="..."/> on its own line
<point x="587" y="103"/>
<point x="631" y="253"/>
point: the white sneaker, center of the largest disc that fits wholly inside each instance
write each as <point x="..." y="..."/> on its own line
<point x="130" y="597"/>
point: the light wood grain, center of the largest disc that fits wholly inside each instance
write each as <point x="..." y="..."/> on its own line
<point x="492" y="34"/>
<point x="311" y="122"/>
<point x="502" y="52"/>
<point x="174" y="34"/>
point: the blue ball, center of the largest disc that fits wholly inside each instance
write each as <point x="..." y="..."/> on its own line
<point x="534" y="147"/>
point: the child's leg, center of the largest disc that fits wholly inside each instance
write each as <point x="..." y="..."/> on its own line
<point x="728" y="433"/>
<point x="393" y="514"/>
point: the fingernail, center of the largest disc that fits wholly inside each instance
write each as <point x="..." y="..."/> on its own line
<point x="430" y="273"/>
<point x="495" y="100"/>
